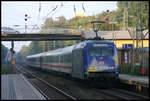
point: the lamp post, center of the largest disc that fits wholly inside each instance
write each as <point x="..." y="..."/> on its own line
<point x="96" y="26"/>
<point x="113" y="28"/>
<point x="133" y="36"/>
<point x="12" y="55"/>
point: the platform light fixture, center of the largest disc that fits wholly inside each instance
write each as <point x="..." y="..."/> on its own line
<point x="113" y="27"/>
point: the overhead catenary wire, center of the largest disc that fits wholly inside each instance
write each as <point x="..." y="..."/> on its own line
<point x="74" y="9"/>
<point x="57" y="10"/>
<point x="83" y="7"/>
<point x="50" y="12"/>
<point x="53" y="11"/>
<point x="38" y="18"/>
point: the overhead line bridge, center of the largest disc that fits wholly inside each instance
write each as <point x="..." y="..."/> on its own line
<point x="39" y="37"/>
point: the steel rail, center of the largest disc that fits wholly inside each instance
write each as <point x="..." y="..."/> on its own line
<point x="122" y="97"/>
<point x="50" y="85"/>
<point x="131" y="93"/>
<point x="47" y="98"/>
<point x="112" y="95"/>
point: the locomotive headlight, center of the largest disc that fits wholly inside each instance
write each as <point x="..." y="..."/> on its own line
<point x="113" y="67"/>
<point x="101" y="62"/>
<point x="90" y="68"/>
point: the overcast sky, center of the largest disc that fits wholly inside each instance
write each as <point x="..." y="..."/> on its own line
<point x="13" y="13"/>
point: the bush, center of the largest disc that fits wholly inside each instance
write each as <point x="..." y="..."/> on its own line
<point x="128" y="69"/>
<point x="5" y="69"/>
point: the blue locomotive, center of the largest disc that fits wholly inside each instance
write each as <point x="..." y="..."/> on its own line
<point x="85" y="60"/>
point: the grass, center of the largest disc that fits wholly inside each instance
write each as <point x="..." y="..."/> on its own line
<point x="68" y="86"/>
<point x="45" y="76"/>
<point x="82" y="94"/>
<point x="5" y="69"/>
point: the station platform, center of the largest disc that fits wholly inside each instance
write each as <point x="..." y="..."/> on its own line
<point x="17" y="87"/>
<point x="135" y="80"/>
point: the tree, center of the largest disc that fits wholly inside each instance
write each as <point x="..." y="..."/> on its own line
<point x="132" y="10"/>
<point x="21" y="55"/>
<point x="35" y="48"/>
<point x="62" y="20"/>
<point x="4" y="51"/>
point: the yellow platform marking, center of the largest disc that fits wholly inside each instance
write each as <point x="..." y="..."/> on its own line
<point x="129" y="81"/>
<point x="138" y="87"/>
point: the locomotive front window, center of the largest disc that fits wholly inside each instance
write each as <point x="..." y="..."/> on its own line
<point x="95" y="52"/>
<point x="101" y="51"/>
<point x="108" y="51"/>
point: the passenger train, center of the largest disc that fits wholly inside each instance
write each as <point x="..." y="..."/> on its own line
<point x="85" y="60"/>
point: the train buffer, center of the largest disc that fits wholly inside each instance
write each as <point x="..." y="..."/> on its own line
<point x="17" y="87"/>
<point x="135" y="80"/>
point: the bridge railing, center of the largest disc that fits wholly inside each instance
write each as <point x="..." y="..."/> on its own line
<point x="50" y="30"/>
<point x="61" y="31"/>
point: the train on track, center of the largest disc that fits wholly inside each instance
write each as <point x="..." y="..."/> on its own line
<point x="85" y="60"/>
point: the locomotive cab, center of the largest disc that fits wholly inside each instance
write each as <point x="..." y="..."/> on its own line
<point x="101" y="60"/>
<point x="95" y="59"/>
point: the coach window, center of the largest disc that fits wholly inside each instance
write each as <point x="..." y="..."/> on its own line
<point x="57" y="59"/>
<point x="52" y="59"/>
<point x="63" y="58"/>
<point x="108" y="51"/>
<point x="69" y="58"/>
<point x="49" y="59"/>
<point x="37" y="60"/>
<point x="60" y="58"/>
<point x="32" y="59"/>
<point x="45" y="59"/>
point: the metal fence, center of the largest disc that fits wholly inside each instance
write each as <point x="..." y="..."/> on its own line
<point x="136" y="68"/>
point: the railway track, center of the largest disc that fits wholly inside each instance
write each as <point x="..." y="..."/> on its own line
<point x="121" y="94"/>
<point x="46" y="89"/>
<point x="114" y="93"/>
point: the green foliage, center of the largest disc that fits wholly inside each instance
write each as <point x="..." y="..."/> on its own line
<point x="4" y="51"/>
<point x="20" y="57"/>
<point x="35" y="48"/>
<point x="128" y="69"/>
<point x="131" y="8"/>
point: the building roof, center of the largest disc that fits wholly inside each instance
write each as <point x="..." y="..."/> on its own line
<point x="109" y="34"/>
